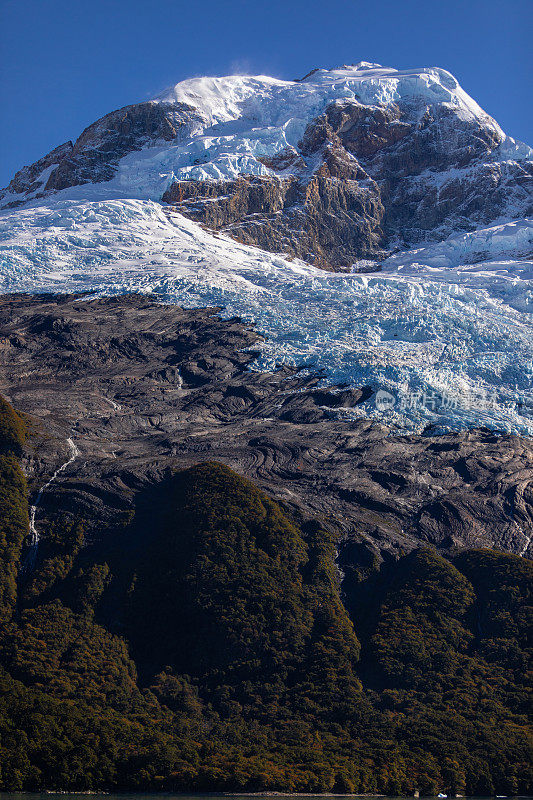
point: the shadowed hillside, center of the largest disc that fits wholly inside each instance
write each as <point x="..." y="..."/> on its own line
<point x="204" y="645"/>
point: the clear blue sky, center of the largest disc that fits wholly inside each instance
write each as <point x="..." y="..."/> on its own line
<point x="64" y="63"/>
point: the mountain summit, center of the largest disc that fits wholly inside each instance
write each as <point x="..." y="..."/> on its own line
<point x="252" y="194"/>
<point x="340" y="165"/>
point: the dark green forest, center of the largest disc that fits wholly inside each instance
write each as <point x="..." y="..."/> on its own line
<point x="204" y="645"/>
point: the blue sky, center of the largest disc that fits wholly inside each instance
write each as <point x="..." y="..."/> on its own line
<point x="64" y="63"/>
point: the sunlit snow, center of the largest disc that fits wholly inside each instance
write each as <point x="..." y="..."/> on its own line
<point x="248" y="118"/>
<point x="243" y="119"/>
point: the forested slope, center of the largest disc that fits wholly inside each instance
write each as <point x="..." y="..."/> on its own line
<point x="205" y="645"/>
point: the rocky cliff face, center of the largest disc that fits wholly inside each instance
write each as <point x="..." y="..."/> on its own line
<point x="94" y="157"/>
<point x="344" y="165"/>
<point x="291" y="215"/>
<point x="363" y="181"/>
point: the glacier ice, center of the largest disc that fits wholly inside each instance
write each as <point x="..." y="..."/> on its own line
<point x="445" y="329"/>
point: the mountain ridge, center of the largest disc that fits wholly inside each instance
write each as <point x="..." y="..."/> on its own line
<point x="341" y="165"/>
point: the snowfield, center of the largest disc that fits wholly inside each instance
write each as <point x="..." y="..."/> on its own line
<point x="247" y="119"/>
<point x="442" y="333"/>
<point x="244" y="119"/>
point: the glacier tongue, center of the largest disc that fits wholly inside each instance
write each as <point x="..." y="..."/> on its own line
<point x="443" y="340"/>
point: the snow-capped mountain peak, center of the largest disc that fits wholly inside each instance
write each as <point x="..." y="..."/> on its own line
<point x="275" y="101"/>
<point x="397" y="140"/>
<point x="240" y="191"/>
<point x="217" y="128"/>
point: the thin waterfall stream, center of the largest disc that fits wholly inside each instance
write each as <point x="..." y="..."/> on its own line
<point x="29" y="561"/>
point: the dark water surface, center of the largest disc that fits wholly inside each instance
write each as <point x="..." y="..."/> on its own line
<point x="198" y="796"/>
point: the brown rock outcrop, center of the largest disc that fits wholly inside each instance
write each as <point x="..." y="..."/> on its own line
<point x="94" y="156"/>
<point x="362" y="180"/>
<point x="329" y="218"/>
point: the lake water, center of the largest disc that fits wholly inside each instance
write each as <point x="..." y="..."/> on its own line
<point x="198" y="796"/>
<point x="170" y="795"/>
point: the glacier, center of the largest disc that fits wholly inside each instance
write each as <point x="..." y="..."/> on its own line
<point x="442" y="333"/>
<point x="444" y="330"/>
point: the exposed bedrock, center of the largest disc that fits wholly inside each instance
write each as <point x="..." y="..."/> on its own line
<point x="143" y="389"/>
<point x="363" y="180"/>
<point x="324" y="220"/>
<point x="94" y="156"/>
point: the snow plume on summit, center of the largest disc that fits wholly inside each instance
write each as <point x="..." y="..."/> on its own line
<point x="273" y="102"/>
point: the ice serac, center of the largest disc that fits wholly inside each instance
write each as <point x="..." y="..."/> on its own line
<point x="448" y="338"/>
<point x="343" y="164"/>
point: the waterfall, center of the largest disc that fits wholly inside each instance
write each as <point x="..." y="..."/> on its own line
<point x="525" y="547"/>
<point x="29" y="561"/>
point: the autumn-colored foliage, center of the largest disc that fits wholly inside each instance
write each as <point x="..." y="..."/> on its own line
<point x="205" y="645"/>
